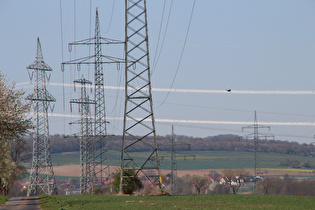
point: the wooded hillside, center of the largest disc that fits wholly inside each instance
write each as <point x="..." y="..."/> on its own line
<point x="220" y="142"/>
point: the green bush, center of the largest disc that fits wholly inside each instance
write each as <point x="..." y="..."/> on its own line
<point x="131" y="184"/>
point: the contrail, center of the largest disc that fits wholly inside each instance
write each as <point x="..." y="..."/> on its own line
<point x="199" y="121"/>
<point x="259" y="92"/>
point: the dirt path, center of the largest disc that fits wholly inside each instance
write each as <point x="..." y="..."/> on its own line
<point x="22" y="203"/>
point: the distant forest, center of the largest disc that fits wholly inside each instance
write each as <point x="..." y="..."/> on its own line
<point x="219" y="142"/>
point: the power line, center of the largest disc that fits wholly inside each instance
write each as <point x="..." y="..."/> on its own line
<point x="63" y="73"/>
<point x="163" y="40"/>
<point x="111" y="17"/>
<point x="182" y="53"/>
<point x="159" y="36"/>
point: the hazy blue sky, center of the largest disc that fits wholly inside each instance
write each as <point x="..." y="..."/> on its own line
<point x="248" y="46"/>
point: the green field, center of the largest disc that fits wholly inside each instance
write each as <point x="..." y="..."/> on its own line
<point x="204" y="159"/>
<point x="4" y="199"/>
<point x="176" y="202"/>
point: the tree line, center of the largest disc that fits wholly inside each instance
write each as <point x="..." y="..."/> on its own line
<point x="60" y="143"/>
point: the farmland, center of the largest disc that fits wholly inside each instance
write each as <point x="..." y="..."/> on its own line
<point x="67" y="164"/>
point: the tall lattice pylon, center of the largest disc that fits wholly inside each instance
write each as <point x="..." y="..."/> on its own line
<point x="139" y="128"/>
<point x="101" y="163"/>
<point x="42" y="179"/>
<point x="87" y="175"/>
<point x="257" y="137"/>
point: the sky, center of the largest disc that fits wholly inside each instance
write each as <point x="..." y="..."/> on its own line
<point x="262" y="50"/>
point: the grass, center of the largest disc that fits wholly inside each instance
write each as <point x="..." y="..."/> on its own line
<point x="3" y="199"/>
<point x="176" y="202"/>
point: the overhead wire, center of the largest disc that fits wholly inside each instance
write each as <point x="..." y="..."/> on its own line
<point x="111" y="17"/>
<point x="74" y="29"/>
<point x="63" y="73"/>
<point x="163" y="40"/>
<point x="159" y="36"/>
<point x="62" y="55"/>
<point x="182" y="53"/>
<point x="90" y="32"/>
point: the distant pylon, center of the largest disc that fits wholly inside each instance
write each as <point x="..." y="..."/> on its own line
<point x="257" y="136"/>
<point x="174" y="156"/>
<point x="139" y="126"/>
<point x="101" y="163"/>
<point x="173" y="164"/>
<point x="42" y="179"/>
<point x="87" y="176"/>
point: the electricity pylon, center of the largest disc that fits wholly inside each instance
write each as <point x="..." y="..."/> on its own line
<point x="101" y="163"/>
<point x="42" y="178"/>
<point x="257" y="136"/>
<point x="87" y="176"/>
<point x="174" y="156"/>
<point x="139" y="127"/>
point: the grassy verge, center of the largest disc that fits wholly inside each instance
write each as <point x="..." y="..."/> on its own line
<point x="3" y="199"/>
<point x="176" y="202"/>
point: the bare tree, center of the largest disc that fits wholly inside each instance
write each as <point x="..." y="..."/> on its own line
<point x="199" y="182"/>
<point x="234" y="178"/>
<point x="266" y="185"/>
<point x="14" y="124"/>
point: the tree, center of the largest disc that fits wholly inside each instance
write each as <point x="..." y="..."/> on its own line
<point x="234" y="177"/>
<point x="199" y="182"/>
<point x="14" y="124"/>
<point x="133" y="181"/>
<point x="267" y="184"/>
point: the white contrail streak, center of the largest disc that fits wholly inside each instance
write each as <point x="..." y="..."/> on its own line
<point x="260" y="92"/>
<point x="199" y="121"/>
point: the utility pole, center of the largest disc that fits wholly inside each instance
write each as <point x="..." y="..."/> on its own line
<point x="101" y="162"/>
<point x="256" y="137"/>
<point x="139" y="125"/>
<point x="42" y="178"/>
<point x="87" y="175"/>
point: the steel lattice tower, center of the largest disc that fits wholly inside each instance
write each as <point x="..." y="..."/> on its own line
<point x="174" y="156"/>
<point x="139" y="127"/>
<point x="87" y="176"/>
<point x="257" y="137"/>
<point x="173" y="164"/>
<point x="101" y="162"/>
<point x="42" y="179"/>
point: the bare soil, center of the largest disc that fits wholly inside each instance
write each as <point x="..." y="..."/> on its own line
<point x="74" y="170"/>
